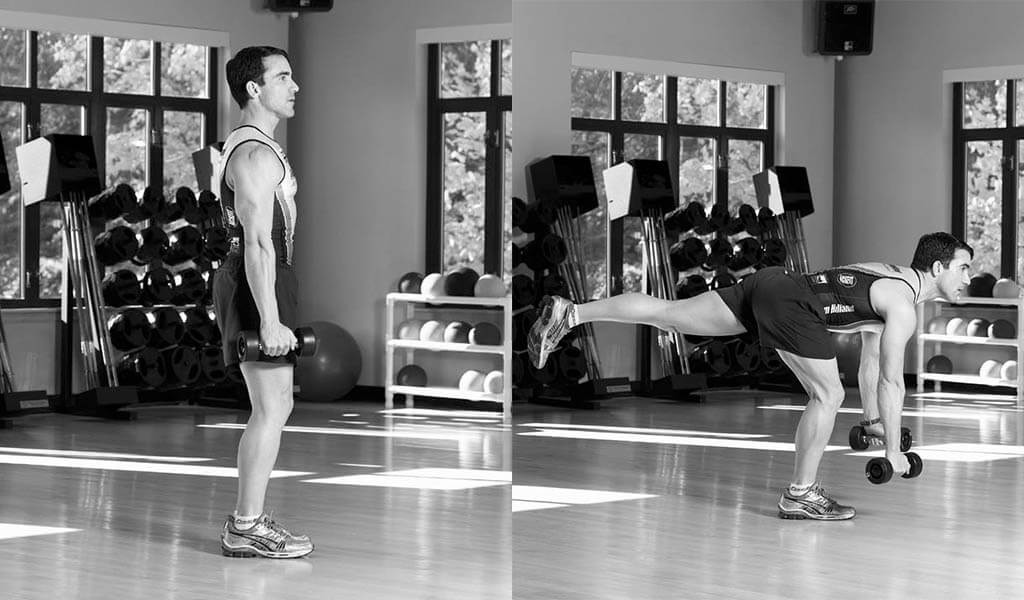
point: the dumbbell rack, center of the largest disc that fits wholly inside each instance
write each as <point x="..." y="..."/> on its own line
<point x="932" y="343"/>
<point x="158" y="218"/>
<point x="395" y="346"/>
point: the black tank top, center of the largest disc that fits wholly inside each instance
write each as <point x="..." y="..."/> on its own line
<point x="845" y="294"/>
<point x="283" y="224"/>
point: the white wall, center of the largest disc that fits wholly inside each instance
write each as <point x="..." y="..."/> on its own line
<point x="358" y="146"/>
<point x="755" y="34"/>
<point x="240" y="22"/>
<point x="894" y="120"/>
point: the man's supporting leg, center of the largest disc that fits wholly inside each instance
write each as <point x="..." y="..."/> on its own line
<point x="804" y="499"/>
<point x="270" y="392"/>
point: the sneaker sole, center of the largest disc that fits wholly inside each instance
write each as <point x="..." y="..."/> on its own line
<point x="535" y="344"/>
<point x="250" y="553"/>
<point x="808" y="516"/>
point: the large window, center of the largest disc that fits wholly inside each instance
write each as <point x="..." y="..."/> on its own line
<point x="988" y="138"/>
<point x="714" y="134"/>
<point x="469" y="192"/>
<point x="147" y="105"/>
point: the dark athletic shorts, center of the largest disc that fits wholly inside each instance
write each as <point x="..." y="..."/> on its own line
<point x="783" y="312"/>
<point x="236" y="309"/>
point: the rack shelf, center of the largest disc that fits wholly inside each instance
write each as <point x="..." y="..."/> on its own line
<point x="457" y="305"/>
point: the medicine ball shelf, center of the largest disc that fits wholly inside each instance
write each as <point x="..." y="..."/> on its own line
<point x="961" y="353"/>
<point x="444" y="358"/>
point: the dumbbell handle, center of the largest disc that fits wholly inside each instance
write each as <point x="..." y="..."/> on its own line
<point x="250" y="348"/>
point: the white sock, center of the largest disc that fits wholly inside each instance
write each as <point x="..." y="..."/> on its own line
<point x="571" y="318"/>
<point x="243" y="522"/>
<point x="799" y="490"/>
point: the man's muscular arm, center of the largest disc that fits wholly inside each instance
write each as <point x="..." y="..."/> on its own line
<point x="256" y="171"/>
<point x="900" y="320"/>
<point x="867" y="373"/>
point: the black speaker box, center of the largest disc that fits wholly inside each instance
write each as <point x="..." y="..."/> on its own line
<point x="5" y="178"/>
<point x="564" y="180"/>
<point x="845" y="27"/>
<point x="300" y="5"/>
<point x="57" y="164"/>
<point x="784" y="189"/>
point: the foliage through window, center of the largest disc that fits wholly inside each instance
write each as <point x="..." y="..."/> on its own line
<point x="988" y="138"/>
<point x="147" y="105"/>
<point x="714" y="135"/>
<point x="469" y="153"/>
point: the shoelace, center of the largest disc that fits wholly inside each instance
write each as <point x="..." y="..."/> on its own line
<point x="819" y="492"/>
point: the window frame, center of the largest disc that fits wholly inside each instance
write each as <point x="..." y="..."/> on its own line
<point x="1010" y="136"/>
<point x="96" y="101"/>
<point x="670" y="132"/>
<point x="494" y="106"/>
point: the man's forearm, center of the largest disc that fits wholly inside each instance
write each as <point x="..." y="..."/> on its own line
<point x="890" y="406"/>
<point x="261" y="274"/>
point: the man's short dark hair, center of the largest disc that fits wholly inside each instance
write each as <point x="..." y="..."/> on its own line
<point x="248" y="66"/>
<point x="939" y="246"/>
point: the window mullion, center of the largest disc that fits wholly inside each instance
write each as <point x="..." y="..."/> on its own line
<point x="959" y="224"/>
<point x="435" y="151"/>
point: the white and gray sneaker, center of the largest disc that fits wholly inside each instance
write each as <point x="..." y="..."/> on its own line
<point x="549" y="329"/>
<point x="813" y="504"/>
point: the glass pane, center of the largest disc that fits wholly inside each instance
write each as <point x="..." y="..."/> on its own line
<point x="591" y="94"/>
<point x="13" y="64"/>
<point x="1018" y="119"/>
<point x="11" y="126"/>
<point x="127" y="148"/>
<point x="183" y="135"/>
<point x="506" y="67"/>
<point x="984" y="217"/>
<point x="51" y="250"/>
<point x="464" y="190"/>
<point x="745" y="105"/>
<point x="466" y="70"/>
<point x="697" y="100"/>
<point x="984" y="104"/>
<point x="593" y="225"/>
<point x="127" y="66"/>
<point x="1020" y="211"/>
<point x="62" y="118"/>
<point x="635" y="145"/>
<point x="63" y="61"/>
<point x="697" y="170"/>
<point x="506" y="195"/>
<point x="183" y="70"/>
<point x="643" y="97"/>
<point x="745" y="159"/>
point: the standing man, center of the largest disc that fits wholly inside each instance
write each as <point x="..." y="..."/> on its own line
<point x="793" y="313"/>
<point x="255" y="288"/>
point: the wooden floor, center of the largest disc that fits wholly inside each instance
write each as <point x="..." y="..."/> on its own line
<point x="642" y="499"/>
<point x="145" y="535"/>
<point x="710" y="529"/>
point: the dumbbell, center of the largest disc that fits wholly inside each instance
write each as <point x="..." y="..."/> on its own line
<point x="146" y="207"/>
<point x="182" y="365"/>
<point x="773" y="253"/>
<point x="718" y="218"/>
<point x="216" y="244"/>
<point x="723" y="279"/>
<point x="522" y="290"/>
<point x="168" y="327"/>
<point x="185" y="243"/>
<point x="189" y="286"/>
<point x="211" y="362"/>
<point x="116" y="245"/>
<point x="183" y="205"/>
<point x="691" y="286"/>
<point x="688" y="254"/>
<point x="879" y="469"/>
<point x="157" y="287"/>
<point x="518" y="212"/>
<point x="144" y="368"/>
<point x="112" y="204"/>
<point x="745" y="253"/>
<point x="678" y="221"/>
<point x="553" y="284"/>
<point x="130" y="329"/>
<point x="748" y="216"/>
<point x="572" y="365"/>
<point x="545" y="252"/>
<point x="121" y="287"/>
<point x="719" y="254"/>
<point x="714" y="356"/>
<point x="521" y="324"/>
<point x="249" y="347"/>
<point x="209" y="206"/>
<point x="860" y="439"/>
<point x="153" y="247"/>
<point x="200" y="327"/>
<point x="746" y="355"/>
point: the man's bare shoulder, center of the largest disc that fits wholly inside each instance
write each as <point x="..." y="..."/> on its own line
<point x="254" y="157"/>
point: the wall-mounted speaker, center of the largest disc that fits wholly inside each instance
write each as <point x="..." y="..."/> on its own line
<point x="845" y="27"/>
<point x="292" y="6"/>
